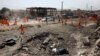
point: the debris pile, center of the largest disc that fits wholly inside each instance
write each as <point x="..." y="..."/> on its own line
<point x="8" y="42"/>
<point x="52" y="41"/>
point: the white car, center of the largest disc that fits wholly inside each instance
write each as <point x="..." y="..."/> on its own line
<point x="47" y="18"/>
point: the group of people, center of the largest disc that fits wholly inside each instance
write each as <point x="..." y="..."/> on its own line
<point x="79" y="23"/>
<point x="22" y="27"/>
<point x="82" y="19"/>
<point x="5" y="21"/>
<point x="85" y="19"/>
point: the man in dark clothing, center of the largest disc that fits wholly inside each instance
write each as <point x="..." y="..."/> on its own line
<point x="46" y="20"/>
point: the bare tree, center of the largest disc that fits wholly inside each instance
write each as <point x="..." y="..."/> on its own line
<point x="5" y="11"/>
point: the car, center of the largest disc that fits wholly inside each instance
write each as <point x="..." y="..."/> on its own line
<point x="48" y="19"/>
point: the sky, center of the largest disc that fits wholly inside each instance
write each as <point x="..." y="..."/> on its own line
<point x="67" y="4"/>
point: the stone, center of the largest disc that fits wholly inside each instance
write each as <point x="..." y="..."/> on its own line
<point x="2" y="45"/>
<point x="86" y="44"/>
<point x="10" y="41"/>
<point x="63" y="51"/>
<point x="60" y="51"/>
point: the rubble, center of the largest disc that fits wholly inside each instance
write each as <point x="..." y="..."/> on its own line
<point x="24" y="48"/>
<point x="83" y="54"/>
<point x="87" y="44"/>
<point x="41" y="35"/>
<point x="49" y="40"/>
<point x="63" y="51"/>
<point x="2" y="45"/>
<point x="59" y="51"/>
<point x="10" y="41"/>
<point x="98" y="43"/>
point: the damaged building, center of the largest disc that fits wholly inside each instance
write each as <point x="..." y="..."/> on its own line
<point x="41" y="11"/>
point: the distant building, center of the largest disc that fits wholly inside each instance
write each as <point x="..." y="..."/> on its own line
<point x="69" y="13"/>
<point x="41" y="11"/>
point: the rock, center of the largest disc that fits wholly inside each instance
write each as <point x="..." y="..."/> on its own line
<point x="2" y="45"/>
<point x="25" y="47"/>
<point x="86" y="44"/>
<point x="60" y="38"/>
<point x="43" y="47"/>
<point x="93" y="36"/>
<point x="63" y="51"/>
<point x="60" y="51"/>
<point x="29" y="39"/>
<point x="24" y="54"/>
<point x="82" y="53"/>
<point x="55" y="50"/>
<point x="53" y="45"/>
<point x="10" y="42"/>
<point x="46" y="41"/>
<point x="41" y="36"/>
<point x="39" y="26"/>
<point x="11" y="37"/>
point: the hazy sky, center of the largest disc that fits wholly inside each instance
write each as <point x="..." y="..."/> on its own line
<point x="68" y="4"/>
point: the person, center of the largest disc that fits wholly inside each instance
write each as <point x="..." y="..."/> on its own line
<point x="2" y="22"/>
<point x="53" y="19"/>
<point x="79" y="23"/>
<point x="94" y="18"/>
<point x="46" y="20"/>
<point x="25" y="19"/>
<point x="65" y="20"/>
<point x="6" y="22"/>
<point x="21" y="29"/>
<point x="58" y="19"/>
<point x="15" y="23"/>
<point x="85" y="19"/>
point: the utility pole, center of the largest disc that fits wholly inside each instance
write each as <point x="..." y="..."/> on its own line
<point x="87" y="7"/>
<point x="61" y="10"/>
<point x="62" y="7"/>
<point x="91" y="8"/>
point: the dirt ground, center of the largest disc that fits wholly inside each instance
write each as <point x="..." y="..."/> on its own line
<point x="64" y="36"/>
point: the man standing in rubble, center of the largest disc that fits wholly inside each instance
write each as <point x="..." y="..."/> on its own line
<point x="46" y="20"/>
<point x="21" y="29"/>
